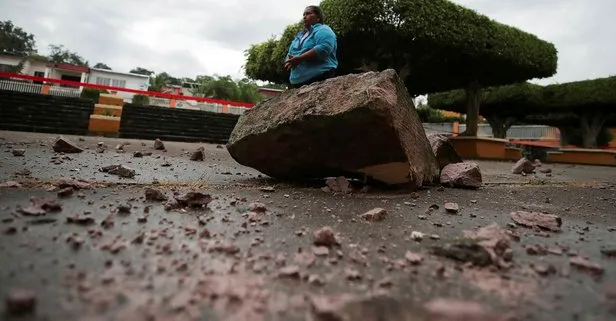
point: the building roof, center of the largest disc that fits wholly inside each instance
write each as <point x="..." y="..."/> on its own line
<point x="120" y="73"/>
<point x="70" y="67"/>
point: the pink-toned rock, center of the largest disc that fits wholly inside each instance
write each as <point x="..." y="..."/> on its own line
<point x="152" y="194"/>
<point x="458" y="310"/>
<point x="413" y="258"/>
<point x="63" y="145"/>
<point x="324" y="237"/>
<point x="443" y="150"/>
<point x="194" y="199"/>
<point x="198" y="155"/>
<point x="338" y="184"/>
<point x="159" y="145"/>
<point x="535" y="219"/>
<point x="496" y="241"/>
<point x="375" y="215"/>
<point x="523" y="166"/>
<point x="586" y="265"/>
<point x="464" y="175"/>
<point x="452" y="208"/>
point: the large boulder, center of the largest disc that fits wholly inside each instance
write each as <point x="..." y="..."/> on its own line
<point x="355" y="126"/>
<point x="443" y="150"/>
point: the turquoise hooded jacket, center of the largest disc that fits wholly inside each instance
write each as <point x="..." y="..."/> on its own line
<point x="323" y="40"/>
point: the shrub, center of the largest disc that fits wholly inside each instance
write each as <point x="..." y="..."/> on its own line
<point x="142" y="100"/>
<point x="92" y="93"/>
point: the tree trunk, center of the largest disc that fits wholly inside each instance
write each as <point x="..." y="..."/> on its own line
<point x="591" y="126"/>
<point x="500" y="125"/>
<point x="473" y="100"/>
<point x="564" y="136"/>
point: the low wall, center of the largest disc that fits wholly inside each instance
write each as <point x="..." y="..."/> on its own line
<point x="29" y="112"/>
<point x="175" y="124"/>
<point x="480" y="148"/>
<point x="583" y="156"/>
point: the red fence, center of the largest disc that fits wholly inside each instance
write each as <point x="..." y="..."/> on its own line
<point x="134" y="91"/>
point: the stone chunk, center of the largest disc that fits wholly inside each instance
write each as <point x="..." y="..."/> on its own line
<point x="535" y="219"/>
<point x="198" y="155"/>
<point x="523" y="166"/>
<point x="443" y="150"/>
<point x="159" y="145"/>
<point x="355" y="126"/>
<point x="465" y="175"/>
<point x="63" y="145"/>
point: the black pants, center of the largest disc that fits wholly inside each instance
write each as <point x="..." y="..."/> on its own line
<point x="326" y="75"/>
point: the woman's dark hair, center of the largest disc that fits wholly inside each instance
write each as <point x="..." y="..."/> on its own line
<point x="317" y="10"/>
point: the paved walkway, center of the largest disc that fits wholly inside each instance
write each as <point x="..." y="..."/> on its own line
<point x="110" y="254"/>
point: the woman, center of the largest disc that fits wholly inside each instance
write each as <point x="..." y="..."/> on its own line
<point x="312" y="54"/>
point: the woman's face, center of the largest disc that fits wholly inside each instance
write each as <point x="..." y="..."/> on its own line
<point x="310" y="17"/>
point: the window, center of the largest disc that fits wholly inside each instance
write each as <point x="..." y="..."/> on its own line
<point x="39" y="74"/>
<point x="6" y="68"/>
<point x="118" y="83"/>
<point x="103" y="81"/>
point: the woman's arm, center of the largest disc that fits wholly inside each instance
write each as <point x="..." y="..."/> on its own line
<point x="325" y="42"/>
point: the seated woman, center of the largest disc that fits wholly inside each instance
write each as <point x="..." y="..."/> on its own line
<point x="312" y="54"/>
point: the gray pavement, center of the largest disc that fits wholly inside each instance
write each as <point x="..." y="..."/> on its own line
<point x="226" y="262"/>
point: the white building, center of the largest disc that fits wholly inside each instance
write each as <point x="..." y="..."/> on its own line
<point x="81" y="74"/>
<point x="118" y="79"/>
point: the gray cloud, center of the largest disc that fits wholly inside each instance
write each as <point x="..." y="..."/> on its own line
<point x="194" y="37"/>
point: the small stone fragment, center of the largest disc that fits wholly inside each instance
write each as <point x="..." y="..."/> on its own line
<point x="324" y="237"/>
<point x="119" y="170"/>
<point x="417" y="236"/>
<point x="19" y="302"/>
<point x="463" y="175"/>
<point x="320" y="250"/>
<point x="66" y="192"/>
<point x="535" y="219"/>
<point x="458" y="310"/>
<point x="338" y="184"/>
<point x="544" y="269"/>
<point x="375" y="215"/>
<point x="63" y="145"/>
<point x="198" y="155"/>
<point x="523" y="166"/>
<point x="158" y="144"/>
<point x="18" y="152"/>
<point x="11" y="184"/>
<point x="257" y="207"/>
<point x="413" y="258"/>
<point x="194" y="199"/>
<point x="155" y="195"/>
<point x="138" y="154"/>
<point x="80" y="220"/>
<point x="452" y="208"/>
<point x="586" y="265"/>
<point x="291" y="271"/>
<point x="124" y="209"/>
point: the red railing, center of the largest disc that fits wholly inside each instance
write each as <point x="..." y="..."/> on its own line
<point x="134" y="91"/>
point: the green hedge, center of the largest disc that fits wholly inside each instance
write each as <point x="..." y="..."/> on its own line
<point x="596" y="95"/>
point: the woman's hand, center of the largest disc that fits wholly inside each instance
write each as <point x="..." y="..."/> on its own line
<point x="292" y="62"/>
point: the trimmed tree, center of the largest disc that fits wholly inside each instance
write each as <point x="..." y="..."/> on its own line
<point x="434" y="45"/>
<point x="587" y="104"/>
<point x="501" y="106"/>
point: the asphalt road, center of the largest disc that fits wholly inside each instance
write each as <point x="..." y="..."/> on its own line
<point x="110" y="254"/>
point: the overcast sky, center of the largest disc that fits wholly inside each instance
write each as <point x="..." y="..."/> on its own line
<point x="197" y="37"/>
